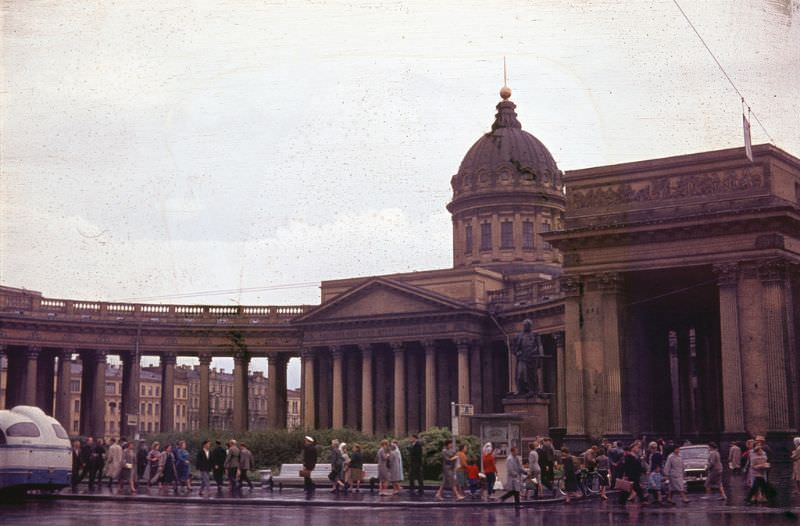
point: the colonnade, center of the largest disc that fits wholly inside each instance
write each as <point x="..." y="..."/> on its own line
<point x="401" y="387"/>
<point x="41" y="377"/>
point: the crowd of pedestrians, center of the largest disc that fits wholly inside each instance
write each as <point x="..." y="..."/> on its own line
<point x="168" y="468"/>
<point x="651" y="475"/>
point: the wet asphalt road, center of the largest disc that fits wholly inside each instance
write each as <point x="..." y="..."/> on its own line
<point x="110" y="513"/>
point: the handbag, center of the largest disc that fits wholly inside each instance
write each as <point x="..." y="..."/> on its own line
<point x="304" y="473"/>
<point x="623" y="485"/>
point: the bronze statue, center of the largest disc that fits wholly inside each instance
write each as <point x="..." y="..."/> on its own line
<point x="529" y="352"/>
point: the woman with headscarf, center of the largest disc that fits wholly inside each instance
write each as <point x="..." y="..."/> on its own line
<point x="397" y="467"/>
<point x="796" y="463"/>
<point x="489" y="468"/>
<point x="384" y="468"/>
<point x="714" y="469"/>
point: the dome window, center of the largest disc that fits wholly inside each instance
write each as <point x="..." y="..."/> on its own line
<point x="507" y="235"/>
<point x="486" y="236"/>
<point x="527" y="235"/>
<point x="468" y="239"/>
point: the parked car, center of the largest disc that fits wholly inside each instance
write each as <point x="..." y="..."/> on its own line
<point x="695" y="463"/>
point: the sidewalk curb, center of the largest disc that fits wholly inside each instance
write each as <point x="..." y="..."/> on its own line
<point x="299" y="502"/>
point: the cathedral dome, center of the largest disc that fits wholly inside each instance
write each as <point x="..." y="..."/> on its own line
<point x="508" y="192"/>
<point x="507" y="155"/>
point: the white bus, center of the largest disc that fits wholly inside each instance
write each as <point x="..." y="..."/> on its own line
<point x="35" y="451"/>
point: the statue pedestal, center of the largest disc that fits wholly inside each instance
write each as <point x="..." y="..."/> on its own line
<point x="534" y="412"/>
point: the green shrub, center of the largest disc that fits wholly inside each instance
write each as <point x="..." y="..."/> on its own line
<point x="273" y="447"/>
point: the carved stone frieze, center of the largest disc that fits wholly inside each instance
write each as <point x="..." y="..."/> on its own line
<point x="669" y="188"/>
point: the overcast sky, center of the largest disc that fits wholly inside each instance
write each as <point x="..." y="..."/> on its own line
<point x="154" y="148"/>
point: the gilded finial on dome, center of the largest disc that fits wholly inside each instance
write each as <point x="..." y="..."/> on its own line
<point x="505" y="91"/>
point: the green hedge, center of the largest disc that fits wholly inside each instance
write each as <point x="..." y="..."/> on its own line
<point x="271" y="448"/>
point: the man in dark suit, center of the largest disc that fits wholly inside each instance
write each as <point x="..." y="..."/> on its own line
<point x="76" y="464"/>
<point x="415" y="464"/>
<point x="84" y="458"/>
<point x="309" y="463"/>
<point x="203" y="465"/>
<point x="218" y="456"/>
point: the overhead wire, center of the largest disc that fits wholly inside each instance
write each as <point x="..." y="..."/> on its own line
<point x="722" y="69"/>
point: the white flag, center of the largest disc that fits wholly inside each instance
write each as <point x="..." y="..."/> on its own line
<point x="748" y="142"/>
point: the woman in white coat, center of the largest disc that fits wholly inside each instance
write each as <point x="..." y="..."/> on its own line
<point x="514" y="475"/>
<point x="396" y="466"/>
<point x="673" y="471"/>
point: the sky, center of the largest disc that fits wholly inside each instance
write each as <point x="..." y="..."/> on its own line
<point x="178" y="152"/>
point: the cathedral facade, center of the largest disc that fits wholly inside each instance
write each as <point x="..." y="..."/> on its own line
<point x="666" y="294"/>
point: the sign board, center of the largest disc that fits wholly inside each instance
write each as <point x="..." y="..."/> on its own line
<point x="133" y="420"/>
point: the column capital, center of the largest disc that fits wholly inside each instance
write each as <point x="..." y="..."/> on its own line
<point x="727" y="273"/>
<point x="464" y="344"/>
<point x="397" y="347"/>
<point x="773" y="270"/>
<point x="605" y="281"/>
<point x="336" y="352"/>
<point x="558" y="338"/>
<point x="100" y="355"/>
<point x="428" y="345"/>
<point x="570" y="285"/>
<point x="307" y="353"/>
<point x="33" y="352"/>
<point x="167" y="359"/>
<point x="242" y="357"/>
<point x="205" y="358"/>
<point x="365" y="350"/>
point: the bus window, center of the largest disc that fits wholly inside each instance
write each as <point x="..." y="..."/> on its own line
<point x="23" y="429"/>
<point x="60" y="432"/>
<point x="2" y="437"/>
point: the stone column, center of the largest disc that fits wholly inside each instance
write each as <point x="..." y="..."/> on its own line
<point x="99" y="395"/>
<point x="5" y="404"/>
<point x="475" y="375"/>
<point x="338" y="389"/>
<point x="63" y="388"/>
<point x="774" y="282"/>
<point x="45" y="381"/>
<point x="167" y="392"/>
<point x="399" y="389"/>
<point x="732" y="406"/>
<point x="430" y="383"/>
<point x="241" y="361"/>
<point x="367" y="420"/>
<point x="276" y="397"/>
<point x="463" y="371"/>
<point x="88" y="365"/>
<point x="561" y="380"/>
<point x="130" y="395"/>
<point x="573" y="359"/>
<point x="204" y="410"/>
<point x="31" y="374"/>
<point x="309" y="403"/>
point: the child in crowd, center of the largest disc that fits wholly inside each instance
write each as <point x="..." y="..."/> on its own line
<point x="473" y="479"/>
<point x="655" y="483"/>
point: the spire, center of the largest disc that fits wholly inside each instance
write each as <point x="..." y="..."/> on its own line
<point x="506" y="116"/>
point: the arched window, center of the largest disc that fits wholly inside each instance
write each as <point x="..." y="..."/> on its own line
<point x="527" y="235"/>
<point x="486" y="236"/>
<point x="468" y="239"/>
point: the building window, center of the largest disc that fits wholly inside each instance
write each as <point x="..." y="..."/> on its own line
<point x="158" y="391"/>
<point x="77" y="405"/>
<point x="111" y="388"/>
<point x="141" y="408"/>
<point x="75" y="425"/>
<point x="527" y="235"/>
<point x="545" y="228"/>
<point x="156" y="408"/>
<point x="149" y="427"/>
<point x="506" y="234"/>
<point x="75" y="386"/>
<point x="150" y="390"/>
<point x="468" y="239"/>
<point x="486" y="236"/>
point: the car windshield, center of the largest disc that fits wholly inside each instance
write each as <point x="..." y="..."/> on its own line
<point x="694" y="453"/>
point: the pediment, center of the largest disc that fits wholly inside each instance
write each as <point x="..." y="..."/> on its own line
<point x="381" y="297"/>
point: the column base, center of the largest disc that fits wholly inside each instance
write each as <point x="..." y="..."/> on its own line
<point x="575" y="443"/>
<point x="780" y="445"/>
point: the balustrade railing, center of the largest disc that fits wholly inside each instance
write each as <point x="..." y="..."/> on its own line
<point x="524" y="294"/>
<point x="30" y="303"/>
